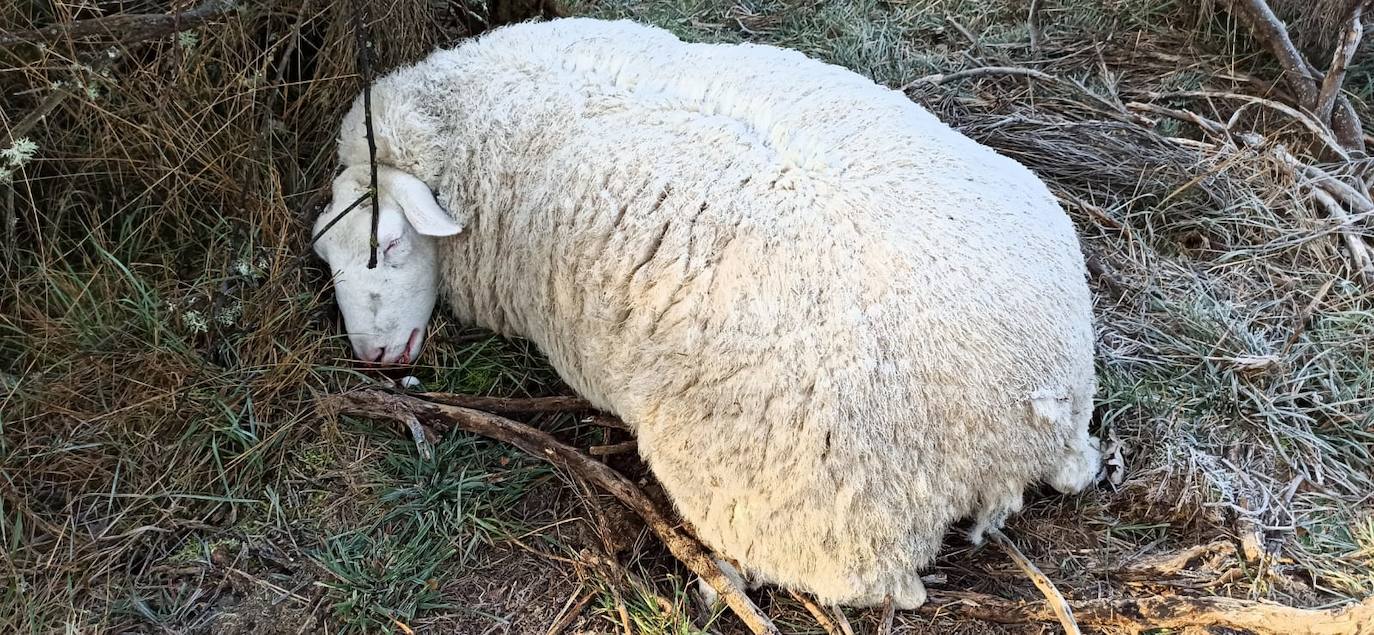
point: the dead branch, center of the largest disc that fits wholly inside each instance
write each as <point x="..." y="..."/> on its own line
<point x="1134" y="615"/>
<point x="1307" y="84"/>
<point x="1056" y="600"/>
<point x="1359" y="203"/>
<point x="1362" y="264"/>
<point x="125" y="28"/>
<point x="613" y="449"/>
<point x="30" y="120"/>
<point x="1340" y="60"/>
<point x="1271" y="32"/>
<point x="819" y="614"/>
<point x="885" y="621"/>
<point x="840" y="618"/>
<point x="1361" y="261"/>
<point x="1319" y="129"/>
<point x="510" y="405"/>
<point x="684" y="547"/>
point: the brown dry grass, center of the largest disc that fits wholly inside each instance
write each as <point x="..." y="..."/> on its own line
<point x="163" y="332"/>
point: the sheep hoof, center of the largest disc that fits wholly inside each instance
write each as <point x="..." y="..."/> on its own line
<point x="707" y="595"/>
<point x="911" y="596"/>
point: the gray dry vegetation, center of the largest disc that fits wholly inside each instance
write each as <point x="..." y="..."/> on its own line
<point x="164" y="334"/>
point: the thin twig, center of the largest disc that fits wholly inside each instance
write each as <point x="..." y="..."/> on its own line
<point x="819" y="614"/>
<point x="681" y="544"/>
<point x="1362" y="264"/>
<point x="1317" y="128"/>
<point x="843" y="620"/>
<point x="984" y="71"/>
<point x="36" y="115"/>
<point x="1110" y="109"/>
<point x="1361" y="261"/>
<point x="1061" y="607"/>
<point x="613" y="449"/>
<point x="570" y="611"/>
<point x="1359" y="203"/>
<point x="364" y="46"/>
<point x="1325" y="187"/>
<point x="1300" y="324"/>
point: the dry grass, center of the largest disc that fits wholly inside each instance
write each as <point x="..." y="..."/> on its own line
<point x="163" y="333"/>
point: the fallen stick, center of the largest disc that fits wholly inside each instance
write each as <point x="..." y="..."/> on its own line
<point x="1056" y="600"/>
<point x="1135" y="615"/>
<point x="819" y="614"/>
<point x="125" y="28"/>
<point x="375" y="403"/>
<point x="510" y="405"/>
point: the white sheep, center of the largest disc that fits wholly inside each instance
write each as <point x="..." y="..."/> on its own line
<point x="836" y="325"/>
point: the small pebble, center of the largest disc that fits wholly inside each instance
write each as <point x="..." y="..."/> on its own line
<point x="410" y="381"/>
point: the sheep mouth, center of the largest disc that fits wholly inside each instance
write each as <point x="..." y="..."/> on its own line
<point x="411" y="351"/>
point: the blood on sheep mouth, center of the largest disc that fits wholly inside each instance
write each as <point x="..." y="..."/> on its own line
<point x="410" y="345"/>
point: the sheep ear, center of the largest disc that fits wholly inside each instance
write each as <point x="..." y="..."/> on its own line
<point x="418" y="204"/>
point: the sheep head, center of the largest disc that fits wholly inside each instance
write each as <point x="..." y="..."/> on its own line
<point x="385" y="308"/>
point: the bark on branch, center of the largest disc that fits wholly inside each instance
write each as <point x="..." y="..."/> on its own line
<point x="1340" y="61"/>
<point x="1271" y="32"/>
<point x="125" y="28"/>
<point x="686" y="548"/>
<point x="511" y="405"/>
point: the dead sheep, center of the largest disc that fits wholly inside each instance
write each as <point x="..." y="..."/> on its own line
<point x="836" y="324"/>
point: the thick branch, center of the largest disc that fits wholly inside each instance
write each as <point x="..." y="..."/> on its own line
<point x="684" y="547"/>
<point x="1271" y="32"/>
<point x="125" y="28"/>
<point x="1340" y="60"/>
<point x="1162" y="612"/>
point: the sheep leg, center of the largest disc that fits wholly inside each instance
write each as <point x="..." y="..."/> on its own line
<point x="708" y="594"/>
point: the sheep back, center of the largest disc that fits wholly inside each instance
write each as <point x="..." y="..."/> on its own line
<point x="836" y="324"/>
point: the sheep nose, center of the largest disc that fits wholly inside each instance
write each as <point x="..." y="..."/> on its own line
<point x="372" y="354"/>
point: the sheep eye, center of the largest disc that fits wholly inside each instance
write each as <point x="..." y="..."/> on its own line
<point x="390" y="245"/>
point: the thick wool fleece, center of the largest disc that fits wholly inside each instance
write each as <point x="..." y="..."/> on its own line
<point x="836" y="324"/>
